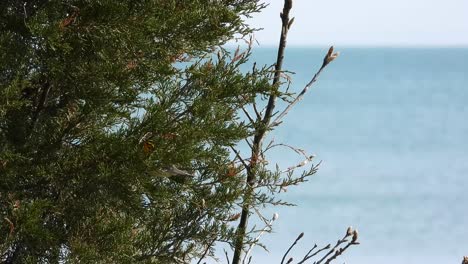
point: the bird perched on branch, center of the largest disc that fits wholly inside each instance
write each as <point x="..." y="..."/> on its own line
<point x="169" y="171"/>
<point x="174" y="171"/>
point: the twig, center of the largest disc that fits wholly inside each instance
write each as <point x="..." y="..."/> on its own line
<point x="254" y="105"/>
<point x="341" y="250"/>
<point x="263" y="218"/>
<point x="349" y="232"/>
<point x="297" y="99"/>
<point x="297" y="150"/>
<point x="307" y="256"/>
<point x="206" y="251"/>
<point x="41" y="104"/>
<point x="248" y="143"/>
<point x="293" y="244"/>
<point x="329" y="57"/>
<point x="227" y="257"/>
<point x="337" y="253"/>
<point x="248" y="115"/>
<point x="301" y="164"/>
<point x="240" y="158"/>
<point x="339" y="242"/>
<point x="268" y="226"/>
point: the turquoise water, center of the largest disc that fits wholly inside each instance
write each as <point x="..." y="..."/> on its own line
<point x="391" y="126"/>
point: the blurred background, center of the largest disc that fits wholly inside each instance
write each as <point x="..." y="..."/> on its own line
<point x="388" y="119"/>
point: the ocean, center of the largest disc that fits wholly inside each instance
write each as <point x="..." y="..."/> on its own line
<point x="390" y="126"/>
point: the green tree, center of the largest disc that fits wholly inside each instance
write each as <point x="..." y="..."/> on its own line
<point x="97" y="107"/>
<point x="120" y="131"/>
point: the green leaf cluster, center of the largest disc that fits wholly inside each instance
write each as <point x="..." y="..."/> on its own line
<point x="81" y="84"/>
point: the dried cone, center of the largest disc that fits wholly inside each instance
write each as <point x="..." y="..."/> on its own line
<point x="131" y="65"/>
<point x="148" y="147"/>
<point x="234" y="217"/>
<point x="70" y="19"/>
<point x="232" y="171"/>
<point x="169" y="136"/>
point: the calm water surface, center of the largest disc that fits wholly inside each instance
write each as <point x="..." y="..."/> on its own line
<point x="391" y="126"/>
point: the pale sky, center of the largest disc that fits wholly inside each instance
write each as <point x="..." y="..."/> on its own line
<point x="368" y="22"/>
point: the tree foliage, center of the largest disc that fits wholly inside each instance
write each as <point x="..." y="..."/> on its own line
<point x="81" y="83"/>
<point x="120" y="131"/>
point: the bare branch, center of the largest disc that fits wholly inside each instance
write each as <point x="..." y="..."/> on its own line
<point x="268" y="227"/>
<point x="248" y="143"/>
<point x="206" y="251"/>
<point x="329" y="57"/>
<point x="259" y="135"/>
<point x="248" y="115"/>
<point x="289" y="249"/>
<point x="240" y="158"/>
<point x="301" y="164"/>
<point x="338" y="252"/>
<point x="309" y="255"/>
<point x="258" y="114"/>
<point x="227" y="257"/>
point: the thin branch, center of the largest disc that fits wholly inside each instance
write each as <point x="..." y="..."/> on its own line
<point x="269" y="145"/>
<point x="206" y="251"/>
<point x="308" y="253"/>
<point x="307" y="256"/>
<point x="341" y="250"/>
<point x="349" y="232"/>
<point x="240" y="158"/>
<point x="293" y="244"/>
<point x="339" y="242"/>
<point x="297" y="150"/>
<point x="41" y="104"/>
<point x="227" y="257"/>
<point x="329" y="57"/>
<point x="263" y="218"/>
<point x="248" y="115"/>
<point x="301" y="164"/>
<point x="267" y="227"/>
<point x="248" y="143"/>
<point x="254" y="105"/>
<point x="337" y="253"/>
<point x="297" y="99"/>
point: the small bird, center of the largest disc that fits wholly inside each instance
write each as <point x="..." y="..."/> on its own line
<point x="174" y="171"/>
